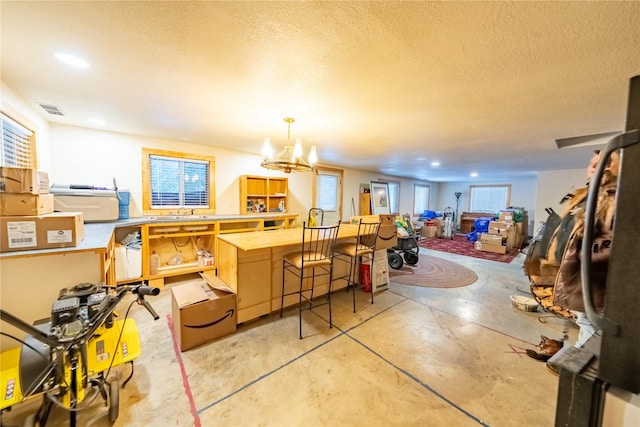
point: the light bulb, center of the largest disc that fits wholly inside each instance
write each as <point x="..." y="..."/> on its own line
<point x="313" y="157"/>
<point x="297" y="149"/>
<point x="267" y="151"/>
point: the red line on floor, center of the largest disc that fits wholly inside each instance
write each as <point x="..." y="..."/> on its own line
<point x="183" y="372"/>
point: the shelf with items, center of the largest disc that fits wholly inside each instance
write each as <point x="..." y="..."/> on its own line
<point x="180" y="248"/>
<point x="261" y="194"/>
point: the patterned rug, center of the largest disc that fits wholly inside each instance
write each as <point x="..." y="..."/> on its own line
<point x="461" y="246"/>
<point x="433" y="272"/>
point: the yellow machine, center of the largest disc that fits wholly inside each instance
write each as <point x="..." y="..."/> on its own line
<point x="71" y="354"/>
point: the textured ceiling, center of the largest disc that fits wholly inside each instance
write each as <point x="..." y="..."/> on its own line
<point x="380" y="86"/>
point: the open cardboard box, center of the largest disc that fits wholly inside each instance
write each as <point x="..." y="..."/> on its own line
<point x="203" y="310"/>
<point x="388" y="233"/>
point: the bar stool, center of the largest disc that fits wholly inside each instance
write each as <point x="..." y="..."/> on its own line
<point x="316" y="254"/>
<point x="363" y="246"/>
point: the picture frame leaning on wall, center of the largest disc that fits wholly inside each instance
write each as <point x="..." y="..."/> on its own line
<point x="380" y="203"/>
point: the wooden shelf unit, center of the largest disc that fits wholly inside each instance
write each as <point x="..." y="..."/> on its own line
<point x="170" y="239"/>
<point x="264" y="191"/>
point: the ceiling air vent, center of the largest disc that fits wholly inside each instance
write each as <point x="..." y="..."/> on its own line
<point x="52" y="109"/>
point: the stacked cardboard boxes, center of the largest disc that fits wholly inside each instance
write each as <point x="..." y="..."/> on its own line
<point x="500" y="237"/>
<point x="27" y="220"/>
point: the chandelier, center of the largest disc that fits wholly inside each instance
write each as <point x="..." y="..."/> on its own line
<point x="289" y="159"/>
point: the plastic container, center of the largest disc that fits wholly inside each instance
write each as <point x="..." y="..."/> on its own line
<point x="123" y="204"/>
<point x="154" y="263"/>
<point x="524" y="303"/>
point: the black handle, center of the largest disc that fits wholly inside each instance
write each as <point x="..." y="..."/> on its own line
<point x="147" y="290"/>
<point x="150" y="309"/>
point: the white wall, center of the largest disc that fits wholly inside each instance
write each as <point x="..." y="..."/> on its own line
<point x="86" y="156"/>
<point x="554" y="185"/>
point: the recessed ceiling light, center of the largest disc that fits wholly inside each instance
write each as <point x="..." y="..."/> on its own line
<point x="74" y="61"/>
<point x="474" y="174"/>
<point x="97" y="121"/>
<point x="435" y="164"/>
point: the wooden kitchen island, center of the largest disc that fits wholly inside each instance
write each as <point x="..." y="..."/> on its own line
<point x="251" y="264"/>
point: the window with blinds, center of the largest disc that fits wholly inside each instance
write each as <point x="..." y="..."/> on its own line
<point x="328" y="192"/>
<point x="177" y="181"/>
<point x="489" y="198"/>
<point x="17" y="144"/>
<point x="420" y="199"/>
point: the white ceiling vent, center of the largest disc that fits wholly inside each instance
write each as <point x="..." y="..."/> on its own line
<point x="52" y="109"/>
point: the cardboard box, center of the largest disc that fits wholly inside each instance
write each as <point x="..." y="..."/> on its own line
<point x="380" y="276"/>
<point x="388" y="234"/>
<point x="203" y="310"/>
<point x="492" y="238"/>
<point x="23" y="180"/>
<point x="505" y="216"/>
<point x="439" y="222"/>
<point x="429" y="231"/>
<point x="488" y="247"/>
<point x="25" y="204"/>
<point x="501" y="228"/>
<point x="55" y="230"/>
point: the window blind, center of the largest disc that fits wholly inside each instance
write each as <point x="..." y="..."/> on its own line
<point x="179" y="183"/>
<point x="420" y="199"/>
<point x="489" y="198"/>
<point x="16" y="144"/>
<point x="328" y="192"/>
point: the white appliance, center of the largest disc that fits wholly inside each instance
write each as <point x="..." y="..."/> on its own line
<point x="96" y="205"/>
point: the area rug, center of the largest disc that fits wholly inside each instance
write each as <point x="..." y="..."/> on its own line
<point x="433" y="272"/>
<point x="461" y="246"/>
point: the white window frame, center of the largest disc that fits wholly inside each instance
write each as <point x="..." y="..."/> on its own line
<point x="147" y="181"/>
<point x="332" y="213"/>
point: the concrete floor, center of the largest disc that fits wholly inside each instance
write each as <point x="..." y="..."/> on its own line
<point x="417" y="357"/>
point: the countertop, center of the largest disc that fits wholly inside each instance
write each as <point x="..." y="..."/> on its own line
<point x="251" y="240"/>
<point x="98" y="234"/>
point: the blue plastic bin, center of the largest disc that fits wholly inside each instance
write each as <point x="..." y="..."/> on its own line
<point x="123" y="204"/>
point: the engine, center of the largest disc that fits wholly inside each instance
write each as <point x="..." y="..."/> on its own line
<point x="75" y="307"/>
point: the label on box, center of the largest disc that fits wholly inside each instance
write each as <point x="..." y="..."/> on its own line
<point x="59" y="236"/>
<point x="21" y="234"/>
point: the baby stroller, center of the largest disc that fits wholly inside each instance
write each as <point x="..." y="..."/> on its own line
<point x="448" y="231"/>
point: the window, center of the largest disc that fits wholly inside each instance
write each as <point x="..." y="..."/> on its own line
<point x="394" y="196"/>
<point x="327" y="193"/>
<point x="18" y="144"/>
<point x="173" y="181"/>
<point x="420" y="199"/>
<point x="489" y="198"/>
